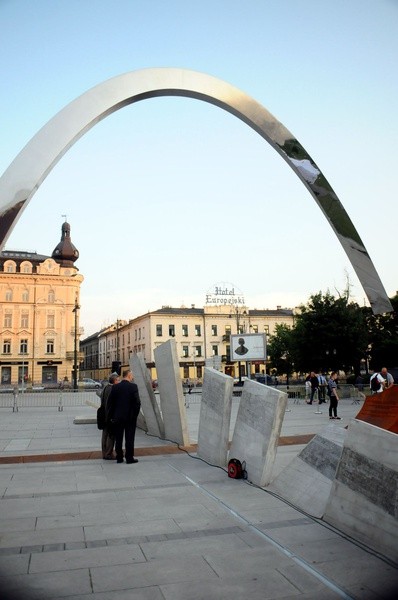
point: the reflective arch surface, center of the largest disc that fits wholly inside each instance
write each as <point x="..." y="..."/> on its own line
<point x="32" y="165"/>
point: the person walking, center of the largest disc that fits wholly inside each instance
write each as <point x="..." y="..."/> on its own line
<point x="124" y="407"/>
<point x="108" y="438"/>
<point x="333" y="395"/>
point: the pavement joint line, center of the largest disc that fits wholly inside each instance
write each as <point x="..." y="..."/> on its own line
<point x="286" y="551"/>
<point x="93" y="491"/>
<point x="138" y="539"/>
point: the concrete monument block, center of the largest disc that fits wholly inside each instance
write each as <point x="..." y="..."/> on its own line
<point x="363" y="499"/>
<point x="153" y="422"/>
<point x="257" y="429"/>
<point x="171" y="393"/>
<point x="215" y="417"/>
<point x="307" y="481"/>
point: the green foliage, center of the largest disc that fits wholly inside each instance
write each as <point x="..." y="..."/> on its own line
<point x="383" y="337"/>
<point x="330" y="333"/>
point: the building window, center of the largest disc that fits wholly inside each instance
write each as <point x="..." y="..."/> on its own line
<point x="227" y="329"/>
<point x="185" y="351"/>
<point x="199" y="372"/>
<point x="23" y="346"/>
<point x="186" y="372"/>
<point x="214" y="350"/>
<point x="197" y="330"/>
<point x="136" y="334"/>
<point x="8" y="296"/>
<point x="25" y="296"/>
<point x="266" y="329"/>
<point x="214" y="330"/>
<point x="185" y="330"/>
<point x="51" y="297"/>
<point x="255" y="328"/>
<point x="139" y="333"/>
<point x="50" y="321"/>
<point x="8" y="320"/>
<point x="159" y="332"/>
<point x="7" y="347"/>
<point x="172" y="331"/>
<point x="240" y="328"/>
<point x="50" y="347"/>
<point x="198" y="350"/>
<point x="24" y="320"/>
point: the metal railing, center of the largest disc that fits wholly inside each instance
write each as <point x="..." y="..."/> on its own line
<point x="59" y="399"/>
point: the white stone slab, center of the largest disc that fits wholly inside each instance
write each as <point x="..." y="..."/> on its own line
<point x="215" y="417"/>
<point x="363" y="499"/>
<point x="257" y="429"/>
<point x="307" y="481"/>
<point x="149" y="407"/>
<point x="171" y="393"/>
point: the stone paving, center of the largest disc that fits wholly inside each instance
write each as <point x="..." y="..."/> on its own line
<point x="170" y="527"/>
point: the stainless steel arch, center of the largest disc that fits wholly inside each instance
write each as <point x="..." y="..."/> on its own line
<point x="28" y="170"/>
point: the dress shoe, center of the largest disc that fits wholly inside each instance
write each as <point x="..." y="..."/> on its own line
<point x="132" y="462"/>
<point x="119" y="460"/>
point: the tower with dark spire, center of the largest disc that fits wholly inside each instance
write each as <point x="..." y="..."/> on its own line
<point x="65" y="253"/>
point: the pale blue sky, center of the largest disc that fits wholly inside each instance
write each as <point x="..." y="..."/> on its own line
<point x="163" y="195"/>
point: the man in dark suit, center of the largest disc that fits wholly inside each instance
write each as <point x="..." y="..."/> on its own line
<point x="124" y="407"/>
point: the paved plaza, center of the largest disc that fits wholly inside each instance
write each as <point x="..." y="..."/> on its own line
<point x="170" y="527"/>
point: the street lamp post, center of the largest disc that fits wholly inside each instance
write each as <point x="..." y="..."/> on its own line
<point x="76" y="308"/>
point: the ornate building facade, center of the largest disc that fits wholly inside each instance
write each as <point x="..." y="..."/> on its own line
<point x="39" y="316"/>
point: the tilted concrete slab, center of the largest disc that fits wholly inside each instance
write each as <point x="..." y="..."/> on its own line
<point x="363" y="499"/>
<point x="307" y="481"/>
<point x="215" y="417"/>
<point x="149" y="406"/>
<point x="257" y="429"/>
<point x="171" y="393"/>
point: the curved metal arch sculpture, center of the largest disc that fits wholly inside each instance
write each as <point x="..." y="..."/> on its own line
<point x="32" y="165"/>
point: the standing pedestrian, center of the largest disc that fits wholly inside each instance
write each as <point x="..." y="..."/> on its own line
<point x="108" y="438"/>
<point x="388" y="378"/>
<point x="124" y="407"/>
<point x="333" y="395"/>
<point x="314" y="386"/>
<point x="377" y="383"/>
<point x="322" y="388"/>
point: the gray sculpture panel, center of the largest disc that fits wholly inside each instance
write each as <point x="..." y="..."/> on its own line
<point x="32" y="165"/>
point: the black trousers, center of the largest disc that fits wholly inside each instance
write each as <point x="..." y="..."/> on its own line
<point x="333" y="406"/>
<point x="125" y="429"/>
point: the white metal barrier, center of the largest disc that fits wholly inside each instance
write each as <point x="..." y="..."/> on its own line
<point x="57" y="399"/>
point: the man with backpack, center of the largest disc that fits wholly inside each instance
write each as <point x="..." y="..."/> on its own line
<point x="377" y="383"/>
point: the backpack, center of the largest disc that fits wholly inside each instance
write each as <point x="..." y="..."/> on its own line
<point x="236" y="470"/>
<point x="374" y="383"/>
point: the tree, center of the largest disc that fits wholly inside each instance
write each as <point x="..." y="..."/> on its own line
<point x="383" y="337"/>
<point x="330" y="333"/>
<point x="279" y="348"/>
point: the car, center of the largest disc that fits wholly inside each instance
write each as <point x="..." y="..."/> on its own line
<point x="88" y="383"/>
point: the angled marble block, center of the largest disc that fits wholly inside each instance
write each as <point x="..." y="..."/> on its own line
<point x="307" y="481"/>
<point x="363" y="499"/>
<point x="152" y="422"/>
<point x="171" y="393"/>
<point x="215" y="417"/>
<point x="257" y="429"/>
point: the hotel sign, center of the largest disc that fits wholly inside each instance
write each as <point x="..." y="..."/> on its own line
<point x="225" y="294"/>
